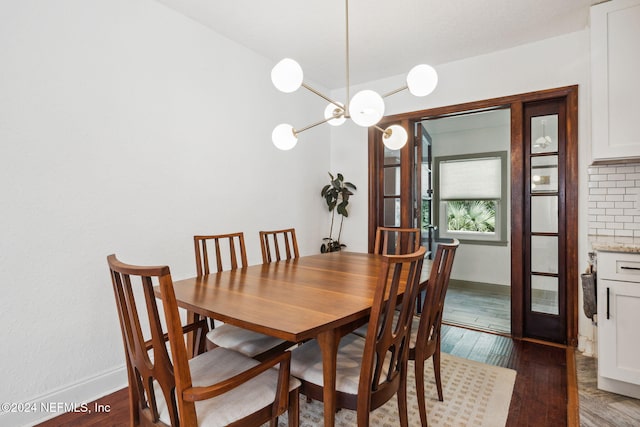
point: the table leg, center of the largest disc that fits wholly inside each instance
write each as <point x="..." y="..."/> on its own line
<point x="328" y="342"/>
<point x="191" y="338"/>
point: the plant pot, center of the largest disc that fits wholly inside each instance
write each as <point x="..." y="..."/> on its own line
<point x="331" y="245"/>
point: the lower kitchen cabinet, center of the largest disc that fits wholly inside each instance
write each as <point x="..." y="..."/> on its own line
<point x="619" y="322"/>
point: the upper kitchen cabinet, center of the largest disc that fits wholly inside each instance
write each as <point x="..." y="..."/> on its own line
<point x="615" y="85"/>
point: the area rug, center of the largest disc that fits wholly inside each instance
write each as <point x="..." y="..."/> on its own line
<point x="475" y="394"/>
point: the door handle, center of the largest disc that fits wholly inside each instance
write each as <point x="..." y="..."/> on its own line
<point x="608" y="314"/>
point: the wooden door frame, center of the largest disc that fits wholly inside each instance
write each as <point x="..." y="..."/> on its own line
<point x="515" y="102"/>
<point x="376" y="179"/>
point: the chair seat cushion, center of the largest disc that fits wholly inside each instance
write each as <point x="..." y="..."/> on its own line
<point x="306" y="363"/>
<point x="217" y="365"/>
<point x="242" y="340"/>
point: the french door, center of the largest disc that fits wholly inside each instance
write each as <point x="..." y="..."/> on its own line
<point x="393" y="183"/>
<point x="545" y="235"/>
<point x="544" y="178"/>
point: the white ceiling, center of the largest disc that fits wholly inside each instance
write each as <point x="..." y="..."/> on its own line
<point x="386" y="37"/>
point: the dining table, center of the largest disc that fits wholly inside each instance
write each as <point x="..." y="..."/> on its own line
<point x="322" y="297"/>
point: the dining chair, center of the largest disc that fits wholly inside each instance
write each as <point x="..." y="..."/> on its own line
<point x="425" y="330"/>
<point x="253" y="344"/>
<point x="278" y="244"/>
<point x="396" y="241"/>
<point x="169" y="387"/>
<point x="237" y="253"/>
<point x="370" y="370"/>
<point x="425" y="327"/>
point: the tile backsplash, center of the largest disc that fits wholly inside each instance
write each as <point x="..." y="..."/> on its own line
<point x="614" y="200"/>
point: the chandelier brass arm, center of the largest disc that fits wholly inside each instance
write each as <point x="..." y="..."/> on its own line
<point x="326" y="98"/>
<point x="393" y="92"/>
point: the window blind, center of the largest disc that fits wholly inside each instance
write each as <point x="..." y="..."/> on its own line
<point x="471" y="179"/>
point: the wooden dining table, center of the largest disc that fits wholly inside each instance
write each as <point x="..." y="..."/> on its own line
<point x="319" y="297"/>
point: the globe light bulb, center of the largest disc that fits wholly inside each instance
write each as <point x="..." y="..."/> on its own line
<point x="331" y="111"/>
<point x="287" y="75"/>
<point x="543" y="142"/>
<point x="394" y="137"/>
<point x="284" y="137"/>
<point x="422" y="80"/>
<point x="366" y="108"/>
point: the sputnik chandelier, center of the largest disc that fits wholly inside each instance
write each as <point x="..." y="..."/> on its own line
<point x="366" y="108"/>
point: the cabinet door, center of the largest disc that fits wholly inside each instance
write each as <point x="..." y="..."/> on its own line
<point x="618" y="323"/>
<point x="615" y="60"/>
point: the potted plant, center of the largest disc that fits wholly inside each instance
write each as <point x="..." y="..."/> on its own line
<point x="336" y="194"/>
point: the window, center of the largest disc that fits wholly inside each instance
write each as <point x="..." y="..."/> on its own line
<point x="471" y="197"/>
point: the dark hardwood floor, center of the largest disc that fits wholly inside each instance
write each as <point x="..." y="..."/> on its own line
<point x="539" y="395"/>
<point x="116" y="413"/>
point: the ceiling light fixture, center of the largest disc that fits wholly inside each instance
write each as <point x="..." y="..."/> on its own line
<point x="366" y="108"/>
<point x="545" y="140"/>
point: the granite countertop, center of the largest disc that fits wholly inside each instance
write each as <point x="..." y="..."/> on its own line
<point x="615" y="243"/>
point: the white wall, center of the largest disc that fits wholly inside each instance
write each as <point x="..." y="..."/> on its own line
<point x="471" y="259"/>
<point x="552" y="63"/>
<point x="126" y="128"/>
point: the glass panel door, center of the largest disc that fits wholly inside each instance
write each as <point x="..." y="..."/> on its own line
<point x="424" y="189"/>
<point x="545" y="276"/>
<point x="392" y="188"/>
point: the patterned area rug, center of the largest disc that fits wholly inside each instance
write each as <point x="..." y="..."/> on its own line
<point x="475" y="394"/>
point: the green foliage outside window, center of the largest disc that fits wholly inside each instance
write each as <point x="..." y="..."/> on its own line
<point x="426" y="213"/>
<point x="471" y="215"/>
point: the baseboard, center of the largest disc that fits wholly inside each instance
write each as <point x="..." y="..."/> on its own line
<point x="74" y="397"/>
<point x="619" y="387"/>
<point x="488" y="287"/>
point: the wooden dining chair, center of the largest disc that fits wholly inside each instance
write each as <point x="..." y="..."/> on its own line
<point x="277" y="245"/>
<point x="215" y="388"/>
<point x="237" y="254"/>
<point x="396" y="241"/>
<point x="371" y="370"/>
<point x="425" y="330"/>
<point x="249" y="343"/>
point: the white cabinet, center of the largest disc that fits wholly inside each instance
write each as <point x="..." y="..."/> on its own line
<point x="619" y="322"/>
<point x="615" y="86"/>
